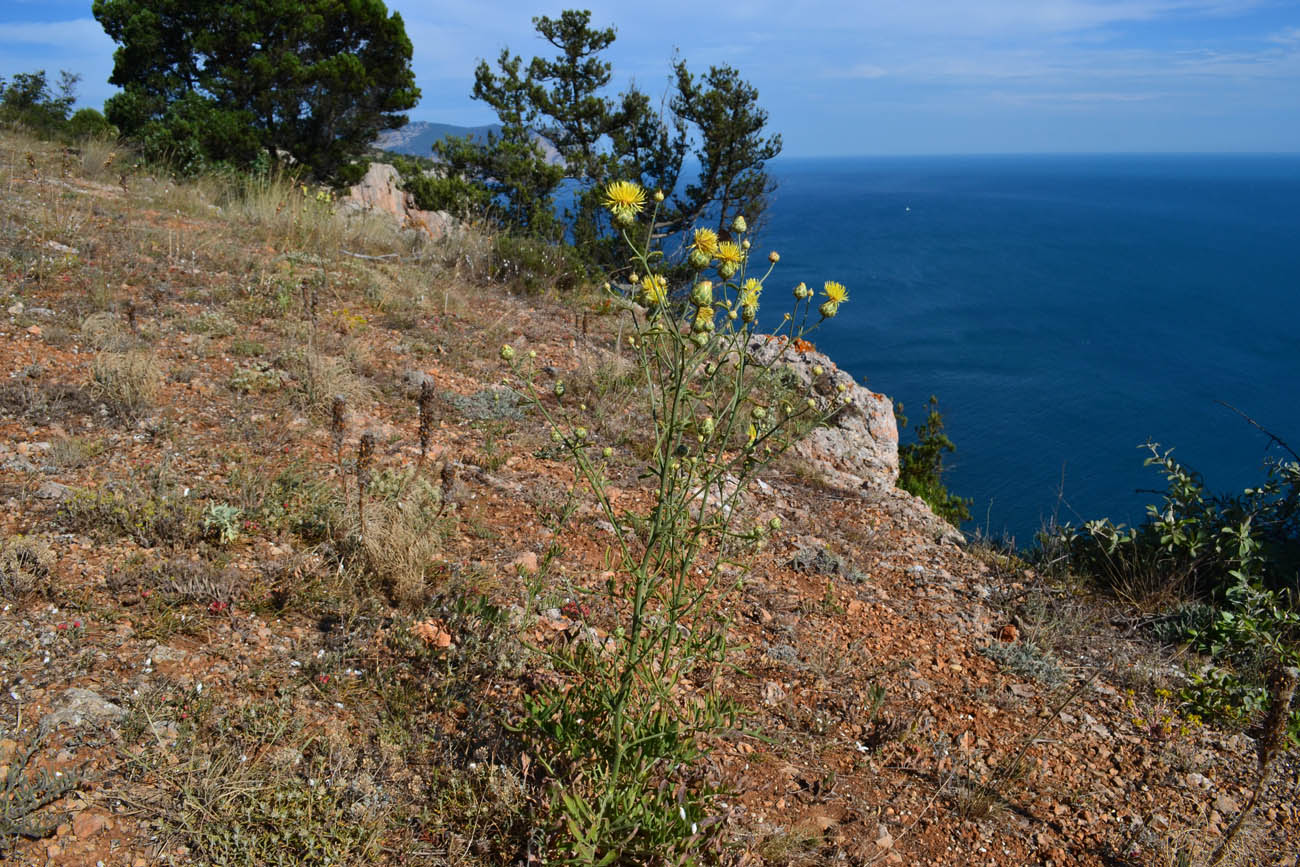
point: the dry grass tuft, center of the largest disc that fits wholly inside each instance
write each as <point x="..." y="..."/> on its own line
<point x="128" y="382"/>
<point x="403" y="542"/>
<point x="25" y="562"/>
<point x="321" y="378"/>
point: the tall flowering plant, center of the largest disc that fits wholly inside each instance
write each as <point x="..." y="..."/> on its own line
<point x="623" y="732"/>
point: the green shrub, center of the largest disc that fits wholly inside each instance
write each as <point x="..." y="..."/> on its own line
<point x="1230" y="564"/>
<point x="920" y="466"/>
<point x="533" y="266"/>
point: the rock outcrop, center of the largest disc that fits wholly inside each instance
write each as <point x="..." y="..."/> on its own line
<point x="381" y="191"/>
<point x="858" y="447"/>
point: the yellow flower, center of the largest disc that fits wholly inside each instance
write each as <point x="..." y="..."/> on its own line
<point x="751" y="286"/>
<point x="706" y="241"/>
<point x="654" y="290"/>
<point x="836" y="295"/>
<point x="624" y="198"/>
<point x="729" y="253"/>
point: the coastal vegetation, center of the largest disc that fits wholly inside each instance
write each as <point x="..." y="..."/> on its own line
<point x="492" y="545"/>
<point x="209" y="82"/>
<point x="1218" y="574"/>
<point x="598" y="138"/>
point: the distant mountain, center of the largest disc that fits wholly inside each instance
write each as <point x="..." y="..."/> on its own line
<point x="417" y="139"/>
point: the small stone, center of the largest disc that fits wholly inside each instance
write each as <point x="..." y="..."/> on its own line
<point x="526" y="562"/>
<point x="88" y="824"/>
<point x="772" y="693"/>
<point x="163" y="653"/>
<point x="79" y="706"/>
<point x="884" y="840"/>
<point x="53" y="491"/>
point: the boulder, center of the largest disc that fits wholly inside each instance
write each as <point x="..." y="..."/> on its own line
<point x="381" y="191"/>
<point x="858" y="446"/>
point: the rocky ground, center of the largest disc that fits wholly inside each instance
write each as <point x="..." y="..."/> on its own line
<point x="192" y="673"/>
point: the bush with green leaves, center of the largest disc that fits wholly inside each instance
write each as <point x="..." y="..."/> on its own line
<point x="621" y="730"/>
<point x="1233" y="563"/>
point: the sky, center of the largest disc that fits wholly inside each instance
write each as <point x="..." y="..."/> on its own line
<point x="865" y="76"/>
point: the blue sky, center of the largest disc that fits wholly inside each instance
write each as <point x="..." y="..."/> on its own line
<point x="868" y="77"/>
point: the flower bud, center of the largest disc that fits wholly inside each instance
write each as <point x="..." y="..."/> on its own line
<point x="801" y="292"/>
<point x="507" y="352"/>
<point x="759" y="413"/>
<point x="580" y="433"/>
<point x="607" y="453"/>
<point x="702" y="294"/>
<point x="828" y="309"/>
<point x="818" y="370"/>
<point x="559" y="389"/>
<point x="635" y="278"/>
<point x="774" y="257"/>
<point x="739" y="226"/>
<point x="744" y="245"/>
<point x="774" y="524"/>
<point x="700" y="339"/>
<point x="659" y="195"/>
<point x="727" y="270"/>
<point x="699" y="259"/>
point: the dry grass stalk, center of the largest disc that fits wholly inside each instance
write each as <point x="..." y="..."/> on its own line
<point x="426" y="421"/>
<point x="1282" y="686"/>
<point x="365" y="452"/>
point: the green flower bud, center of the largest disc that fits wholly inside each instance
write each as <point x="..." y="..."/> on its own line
<point x="702" y="294"/>
<point x="738" y="225"/>
<point x="774" y="524"/>
<point x="507" y="353"/>
<point x="700" y="339"/>
<point x="818" y="370"/>
<point x="708" y="426"/>
<point x="699" y="259"/>
<point x="580" y="433"/>
<point x="828" y="309"/>
<point x="559" y="389"/>
<point x="759" y="412"/>
<point x="607" y="453"/>
<point x="727" y="270"/>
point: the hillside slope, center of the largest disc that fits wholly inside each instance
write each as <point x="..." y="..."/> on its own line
<point x="197" y="621"/>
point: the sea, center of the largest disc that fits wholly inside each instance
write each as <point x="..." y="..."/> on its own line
<point x="1065" y="310"/>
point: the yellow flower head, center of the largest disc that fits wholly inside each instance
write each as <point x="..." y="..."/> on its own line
<point x="835" y="292"/>
<point x="654" y="290"/>
<point x="706" y="241"/>
<point x="624" y="198"/>
<point x="752" y="287"/>
<point x="729" y="253"/>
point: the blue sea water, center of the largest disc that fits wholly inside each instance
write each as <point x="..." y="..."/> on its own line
<point x="1065" y="310"/>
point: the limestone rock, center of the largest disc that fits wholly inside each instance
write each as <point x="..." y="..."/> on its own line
<point x="858" y="447"/>
<point x="80" y="706"/>
<point x="380" y="190"/>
